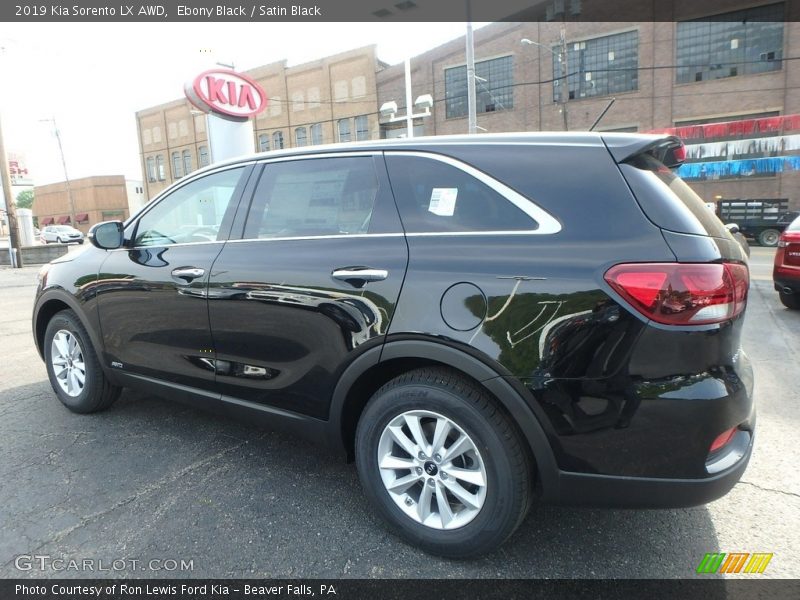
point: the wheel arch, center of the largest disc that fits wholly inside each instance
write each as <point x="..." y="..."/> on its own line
<point x="51" y="303"/>
<point x="379" y="365"/>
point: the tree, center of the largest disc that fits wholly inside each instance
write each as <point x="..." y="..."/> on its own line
<point x="25" y="199"/>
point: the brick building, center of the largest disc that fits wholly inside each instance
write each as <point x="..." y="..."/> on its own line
<point x="96" y="199"/>
<point x="672" y="75"/>
<point x="324" y="101"/>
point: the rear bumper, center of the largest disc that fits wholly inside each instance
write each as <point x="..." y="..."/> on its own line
<point x="649" y="492"/>
<point x="782" y="283"/>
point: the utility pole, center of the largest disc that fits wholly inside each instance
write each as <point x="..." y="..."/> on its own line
<point x="409" y="111"/>
<point x="64" y="165"/>
<point x="472" y="120"/>
<point x="564" y="96"/>
<point x="13" y="237"/>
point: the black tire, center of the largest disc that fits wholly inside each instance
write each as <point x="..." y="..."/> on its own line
<point x="58" y="239"/>
<point x="507" y="463"/>
<point x="769" y="238"/>
<point x="97" y="393"/>
<point x="790" y="300"/>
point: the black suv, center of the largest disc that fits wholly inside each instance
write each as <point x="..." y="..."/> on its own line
<point x="477" y="321"/>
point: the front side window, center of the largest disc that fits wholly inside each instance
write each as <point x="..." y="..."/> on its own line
<point x="494" y="87"/>
<point x="192" y="213"/>
<point x="737" y="43"/>
<point x="313" y="197"/>
<point x="437" y="197"/>
<point x="344" y="130"/>
<point x="599" y="67"/>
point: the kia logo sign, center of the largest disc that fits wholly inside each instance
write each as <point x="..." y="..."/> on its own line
<point x="227" y="93"/>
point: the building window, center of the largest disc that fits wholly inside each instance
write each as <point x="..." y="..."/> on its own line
<point x="359" y="86"/>
<point x="172" y="130"/>
<point x="340" y="90"/>
<point x="274" y="106"/>
<point x="151" y="169"/>
<point x="204" y="158"/>
<point x="187" y="162"/>
<point x="297" y="101"/>
<point x="599" y="67"/>
<point x="156" y="134"/>
<point x="316" y="133"/>
<point x="494" y="87"/>
<point x="300" y="137"/>
<point x="183" y="128"/>
<point x="263" y="142"/>
<point x="147" y="137"/>
<point x="200" y="123"/>
<point x="176" y="165"/>
<point x="313" y="97"/>
<point x="344" y="130"/>
<point x="160" y="168"/>
<point x="362" y="128"/>
<point x="277" y="140"/>
<point x="736" y="43"/>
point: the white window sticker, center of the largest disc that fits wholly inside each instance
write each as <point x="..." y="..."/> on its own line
<point x="443" y="201"/>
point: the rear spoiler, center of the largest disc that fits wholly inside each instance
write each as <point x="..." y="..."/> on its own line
<point x="666" y="148"/>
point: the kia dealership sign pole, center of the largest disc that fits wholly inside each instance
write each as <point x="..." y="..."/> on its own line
<point x="230" y="99"/>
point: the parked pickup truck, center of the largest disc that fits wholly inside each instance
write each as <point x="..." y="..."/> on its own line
<point x="760" y="219"/>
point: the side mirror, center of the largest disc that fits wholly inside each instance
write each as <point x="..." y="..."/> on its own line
<point x="732" y="227"/>
<point x="108" y="235"/>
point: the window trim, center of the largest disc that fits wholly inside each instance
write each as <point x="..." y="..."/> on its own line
<point x="134" y="218"/>
<point x="548" y="224"/>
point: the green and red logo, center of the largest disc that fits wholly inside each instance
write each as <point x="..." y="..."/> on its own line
<point x="734" y="562"/>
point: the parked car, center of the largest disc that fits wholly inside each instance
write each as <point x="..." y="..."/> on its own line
<point x="62" y="234"/>
<point x="786" y="272"/>
<point x="478" y="322"/>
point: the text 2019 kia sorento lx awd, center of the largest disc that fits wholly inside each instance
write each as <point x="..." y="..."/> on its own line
<point x="477" y="321"/>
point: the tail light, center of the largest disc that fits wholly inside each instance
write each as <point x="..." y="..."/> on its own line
<point x="682" y="293"/>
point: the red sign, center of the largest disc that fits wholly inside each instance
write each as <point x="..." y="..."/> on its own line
<point x="232" y="95"/>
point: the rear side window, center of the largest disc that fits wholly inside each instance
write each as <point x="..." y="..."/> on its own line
<point x="313" y="197"/>
<point x="437" y="197"/>
<point x="668" y="201"/>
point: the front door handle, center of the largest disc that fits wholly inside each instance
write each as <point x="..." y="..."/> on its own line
<point x="358" y="276"/>
<point x="188" y="273"/>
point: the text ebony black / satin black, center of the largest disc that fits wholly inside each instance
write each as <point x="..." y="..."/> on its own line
<point x="477" y="321"/>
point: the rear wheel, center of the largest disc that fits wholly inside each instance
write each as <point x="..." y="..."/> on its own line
<point x="443" y="464"/>
<point x="73" y="368"/>
<point x="769" y="237"/>
<point x="790" y="300"/>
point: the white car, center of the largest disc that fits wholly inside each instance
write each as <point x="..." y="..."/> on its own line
<point x="62" y="234"/>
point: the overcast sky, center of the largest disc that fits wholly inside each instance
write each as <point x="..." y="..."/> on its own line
<point x="92" y="78"/>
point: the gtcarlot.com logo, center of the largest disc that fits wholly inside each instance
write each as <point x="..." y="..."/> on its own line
<point x="734" y="562"/>
<point x="46" y="562"/>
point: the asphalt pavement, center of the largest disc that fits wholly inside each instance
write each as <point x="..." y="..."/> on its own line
<point x="150" y="480"/>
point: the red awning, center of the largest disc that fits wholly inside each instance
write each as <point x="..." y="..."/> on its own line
<point x="82" y="218"/>
<point x="63" y="219"/>
<point x="45" y="220"/>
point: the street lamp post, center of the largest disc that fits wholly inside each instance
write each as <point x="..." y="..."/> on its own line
<point x="425" y="102"/>
<point x="64" y="165"/>
<point x="563" y="94"/>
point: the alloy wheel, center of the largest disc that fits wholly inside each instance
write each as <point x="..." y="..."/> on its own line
<point x="432" y="469"/>
<point x="69" y="367"/>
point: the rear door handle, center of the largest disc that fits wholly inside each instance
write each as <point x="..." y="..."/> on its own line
<point x="188" y="273"/>
<point x="358" y="276"/>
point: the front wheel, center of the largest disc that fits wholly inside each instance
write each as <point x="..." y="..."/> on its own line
<point x="443" y="464"/>
<point x="59" y="240"/>
<point x="73" y="368"/>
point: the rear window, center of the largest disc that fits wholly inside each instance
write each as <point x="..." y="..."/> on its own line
<point x="794" y="225"/>
<point x="668" y="201"/>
